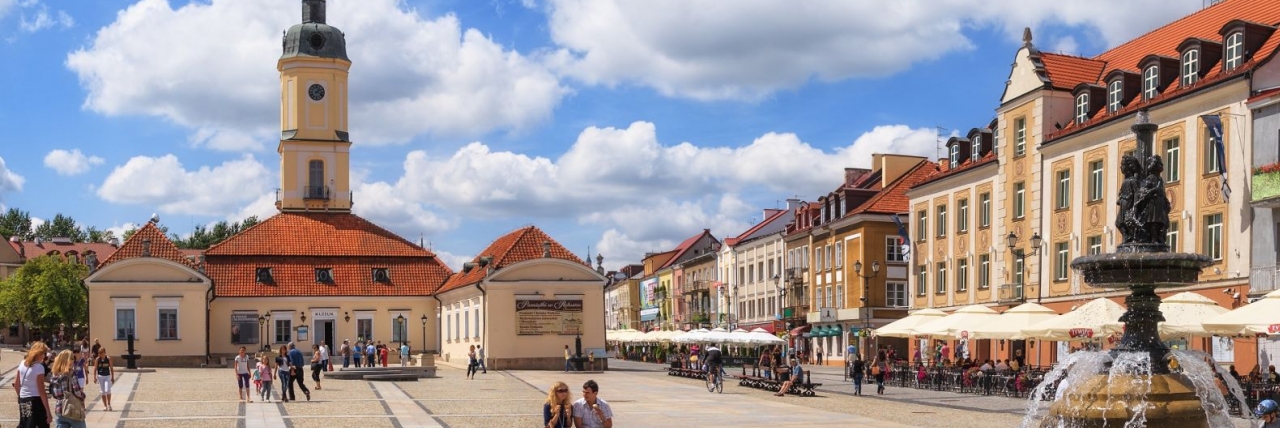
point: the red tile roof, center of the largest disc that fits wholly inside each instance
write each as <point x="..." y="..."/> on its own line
<point x="893" y="199"/>
<point x="317" y="234"/>
<point x="684" y="246"/>
<point x="31" y="250"/>
<point x="159" y="246"/>
<point x="517" y="246"/>
<point x="1203" y="24"/>
<point x="1066" y="71"/>
<point x="966" y="166"/>
<point x="294" y="245"/>
<point x="744" y="235"/>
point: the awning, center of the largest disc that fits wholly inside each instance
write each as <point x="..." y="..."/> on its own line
<point x="767" y="326"/>
<point x="801" y="329"/>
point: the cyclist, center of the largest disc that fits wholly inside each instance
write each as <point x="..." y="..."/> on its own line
<point x="715" y="361"/>
<point x="1268" y="411"/>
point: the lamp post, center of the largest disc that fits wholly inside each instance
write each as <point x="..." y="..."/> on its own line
<point x="424" y="333"/>
<point x="1011" y="242"/>
<point x="400" y="319"/>
<point x="262" y="335"/>
<point x="866" y="298"/>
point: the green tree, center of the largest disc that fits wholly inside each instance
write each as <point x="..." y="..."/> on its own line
<point x="45" y="292"/>
<point x="203" y="237"/>
<point x="61" y="226"/>
<point x="92" y="234"/>
<point x="16" y="222"/>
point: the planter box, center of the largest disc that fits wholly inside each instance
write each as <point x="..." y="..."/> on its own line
<point x="1265" y="186"/>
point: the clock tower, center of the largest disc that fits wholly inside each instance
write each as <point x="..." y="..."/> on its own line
<point x="314" y="144"/>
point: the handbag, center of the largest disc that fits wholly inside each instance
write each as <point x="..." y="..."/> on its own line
<point x="875" y="370"/>
<point x="72" y="406"/>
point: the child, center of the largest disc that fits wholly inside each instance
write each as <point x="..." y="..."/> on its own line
<point x="264" y="378"/>
<point x="257" y="378"/>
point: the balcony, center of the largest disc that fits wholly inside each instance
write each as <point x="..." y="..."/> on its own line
<point x="1011" y="293"/>
<point x="699" y="286"/>
<point x="1262" y="279"/>
<point x="315" y="193"/>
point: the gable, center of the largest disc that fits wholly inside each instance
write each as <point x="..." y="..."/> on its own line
<point x="8" y="254"/>
<point x="1026" y="75"/>
<point x="546" y="269"/>
<point x="146" y="270"/>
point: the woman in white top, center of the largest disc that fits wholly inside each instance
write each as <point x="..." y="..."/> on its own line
<point x="242" y="375"/>
<point x="33" y="399"/>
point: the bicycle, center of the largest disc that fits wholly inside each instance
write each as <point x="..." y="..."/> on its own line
<point x="717" y="385"/>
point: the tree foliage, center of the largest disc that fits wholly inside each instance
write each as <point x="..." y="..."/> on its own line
<point x="204" y="237"/>
<point x="61" y="226"/>
<point x="45" y="292"/>
<point x="16" y="222"/>
<point x="92" y="234"/>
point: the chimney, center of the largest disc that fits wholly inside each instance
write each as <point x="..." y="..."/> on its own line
<point x="22" y="249"/>
<point x="313" y="11"/>
<point x="793" y="204"/>
<point x="546" y="248"/>
<point x="146" y="248"/>
<point x="894" y="166"/>
<point x="115" y="242"/>
<point x="944" y="164"/>
<point x="852" y="175"/>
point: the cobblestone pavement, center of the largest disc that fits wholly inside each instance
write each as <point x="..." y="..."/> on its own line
<point x="642" y="395"/>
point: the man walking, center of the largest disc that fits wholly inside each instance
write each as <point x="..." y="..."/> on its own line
<point x="480" y="354"/>
<point x="404" y="354"/>
<point x="324" y="356"/>
<point x="817" y="352"/>
<point x="345" y="350"/>
<point x="370" y="354"/>
<point x="295" y="360"/>
<point x="567" y="366"/>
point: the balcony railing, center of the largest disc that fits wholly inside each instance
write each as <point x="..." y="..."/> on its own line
<point x="1262" y="279"/>
<point x="699" y="286"/>
<point x="315" y="192"/>
<point x="1011" y="293"/>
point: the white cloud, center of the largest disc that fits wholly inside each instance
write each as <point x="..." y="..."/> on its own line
<point x="707" y="49"/>
<point x="1066" y="45"/>
<point x="164" y="182"/>
<point x="263" y="207"/>
<point x="41" y="19"/>
<point x="70" y="163"/>
<point x="385" y="205"/>
<point x="5" y="6"/>
<point x="411" y="75"/>
<point x="119" y="230"/>
<point x="453" y="261"/>
<point x="9" y="181"/>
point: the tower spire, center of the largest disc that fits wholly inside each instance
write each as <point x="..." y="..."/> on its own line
<point x="312" y="11"/>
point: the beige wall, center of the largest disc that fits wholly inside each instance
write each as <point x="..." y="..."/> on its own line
<point x="497" y="332"/>
<point x="148" y="285"/>
<point x="381" y="310"/>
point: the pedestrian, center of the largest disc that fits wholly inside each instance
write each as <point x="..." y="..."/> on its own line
<point x="817" y="352"/>
<point x="66" y="391"/>
<point x="857" y="370"/>
<point x="324" y="358"/>
<point x="557" y="412"/>
<point x="104" y="376"/>
<point x="383" y="353"/>
<point x="471" y="362"/>
<point x="94" y="352"/>
<point x="766" y="359"/>
<point x="358" y="352"/>
<point x="567" y="367"/>
<point x="316" y="365"/>
<point x="404" y="354"/>
<point x="590" y="411"/>
<point x="264" y="373"/>
<point x="242" y="375"/>
<point x="1267" y="413"/>
<point x="284" y="371"/>
<point x="295" y="360"/>
<point x="480" y="354"/>
<point x="370" y="354"/>
<point x="33" y="399"/>
<point x="879" y="369"/>
<point x="81" y="364"/>
<point x="345" y="350"/>
<point x="796" y="374"/>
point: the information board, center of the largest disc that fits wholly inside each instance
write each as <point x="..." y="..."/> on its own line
<point x="548" y="317"/>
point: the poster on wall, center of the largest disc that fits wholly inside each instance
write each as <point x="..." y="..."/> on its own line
<point x="649" y="299"/>
<point x="244" y="328"/>
<point x="303" y="333"/>
<point x="535" y="317"/>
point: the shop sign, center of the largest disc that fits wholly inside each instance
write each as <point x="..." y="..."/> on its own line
<point x="534" y="317"/>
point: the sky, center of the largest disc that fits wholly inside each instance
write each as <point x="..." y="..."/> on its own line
<point x="618" y="127"/>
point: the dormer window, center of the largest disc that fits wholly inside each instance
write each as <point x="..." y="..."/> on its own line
<point x="955" y="155"/>
<point x="1115" y="93"/>
<point x="1082" y="108"/>
<point x="263" y="275"/>
<point x="381" y="275"/>
<point x="1151" y="82"/>
<point x="324" y="275"/>
<point x="977" y="149"/>
<point x="1190" y="67"/>
<point x="1235" y="51"/>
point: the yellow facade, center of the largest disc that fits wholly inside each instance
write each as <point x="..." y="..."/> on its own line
<point x="314" y="146"/>
<point x="140" y="289"/>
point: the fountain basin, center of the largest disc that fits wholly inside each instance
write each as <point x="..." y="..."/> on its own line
<point x="1124" y="270"/>
<point x="1170" y="401"/>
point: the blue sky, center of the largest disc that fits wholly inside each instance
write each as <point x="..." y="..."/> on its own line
<point x="619" y="126"/>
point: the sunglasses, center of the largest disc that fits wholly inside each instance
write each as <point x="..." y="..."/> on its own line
<point x="562" y="390"/>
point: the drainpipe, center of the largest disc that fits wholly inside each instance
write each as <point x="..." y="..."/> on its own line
<point x="211" y="296"/>
<point x="439" y="333"/>
<point x="484" y="305"/>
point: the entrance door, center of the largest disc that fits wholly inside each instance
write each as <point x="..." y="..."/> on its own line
<point x="324" y="332"/>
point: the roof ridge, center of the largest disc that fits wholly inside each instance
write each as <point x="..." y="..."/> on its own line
<point x="893" y="186"/>
<point x="1166" y="25"/>
<point x="524" y="231"/>
<point x="259" y="223"/>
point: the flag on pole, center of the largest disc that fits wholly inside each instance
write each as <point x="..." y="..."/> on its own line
<point x="1214" y="123"/>
<point x="902" y="229"/>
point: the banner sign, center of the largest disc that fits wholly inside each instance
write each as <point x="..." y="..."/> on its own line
<point x="535" y="317"/>
<point x="244" y="328"/>
<point x="1080" y="332"/>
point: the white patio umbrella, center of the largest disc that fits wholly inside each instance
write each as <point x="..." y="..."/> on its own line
<point x="1010" y="323"/>
<point x="958" y="324"/>
<point x="1184" y="315"/>
<point x="904" y="327"/>
<point x="693" y="336"/>
<point x="761" y="337"/>
<point x="1260" y="317"/>
<point x="1082" y="324"/>
<point x="623" y="335"/>
<point x="717" y="335"/>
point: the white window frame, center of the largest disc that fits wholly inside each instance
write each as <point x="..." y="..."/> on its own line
<point x="1019" y="276"/>
<point x="895" y="294"/>
<point x="1020" y="136"/>
<point x="922" y="222"/>
<point x="1096" y="181"/>
<point x="1213" y="236"/>
<point x="1151" y="82"/>
<point x="1061" y="260"/>
<point x="977" y="148"/>
<point x="1233" y="54"/>
<point x="922" y="279"/>
<point x="278" y="317"/>
<point x="984" y="271"/>
<point x="1115" y="93"/>
<point x="962" y="215"/>
<point x="125" y="304"/>
<point x="941" y="285"/>
<point x="1190" y="67"/>
<point x="1172" y="159"/>
<point x="984" y="210"/>
<point x="839" y="262"/>
<point x="1095" y="244"/>
<point x="942" y="221"/>
<point x="1064" y="189"/>
<point x="1171" y="237"/>
<point x="821" y="258"/>
<point x="839" y="296"/>
<point x="962" y="275"/>
<point x="893" y="249"/>
<point x="369" y="316"/>
<point x="955" y="155"/>
<point x="1019" y="200"/>
<point x="479" y="317"/>
<point x="169" y="304"/>
<point x="1211" y="153"/>
<point x="1082" y="107"/>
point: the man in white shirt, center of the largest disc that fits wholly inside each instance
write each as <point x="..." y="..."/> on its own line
<point x="986" y="366"/>
<point x="324" y="356"/>
<point x="1002" y="366"/>
<point x="590" y="411"/>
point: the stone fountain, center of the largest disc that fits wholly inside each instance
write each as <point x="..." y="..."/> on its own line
<point x="1132" y="385"/>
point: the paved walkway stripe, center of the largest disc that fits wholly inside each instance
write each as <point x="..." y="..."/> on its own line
<point x="263" y="415"/>
<point x="405" y="409"/>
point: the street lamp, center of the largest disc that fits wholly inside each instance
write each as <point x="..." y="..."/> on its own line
<point x="424" y="333"/>
<point x="866" y="297"/>
<point x="262" y="335"/>
<point x="1011" y="242"/>
<point x="400" y="319"/>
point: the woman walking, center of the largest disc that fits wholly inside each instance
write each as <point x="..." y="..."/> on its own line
<point x="283" y="371"/>
<point x="104" y="376"/>
<point x="80" y="365"/>
<point x="67" y="391"/>
<point x="557" y="412"/>
<point x="33" y="399"/>
<point x="879" y="369"/>
<point x="857" y="370"/>
<point x="315" y="365"/>
<point x="242" y="376"/>
<point x="471" y="363"/>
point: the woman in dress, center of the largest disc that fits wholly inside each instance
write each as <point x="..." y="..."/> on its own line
<point x="64" y="383"/>
<point x="557" y="412"/>
<point x="33" y="399"/>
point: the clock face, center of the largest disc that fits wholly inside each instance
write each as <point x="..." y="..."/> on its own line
<point x="316" y="92"/>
